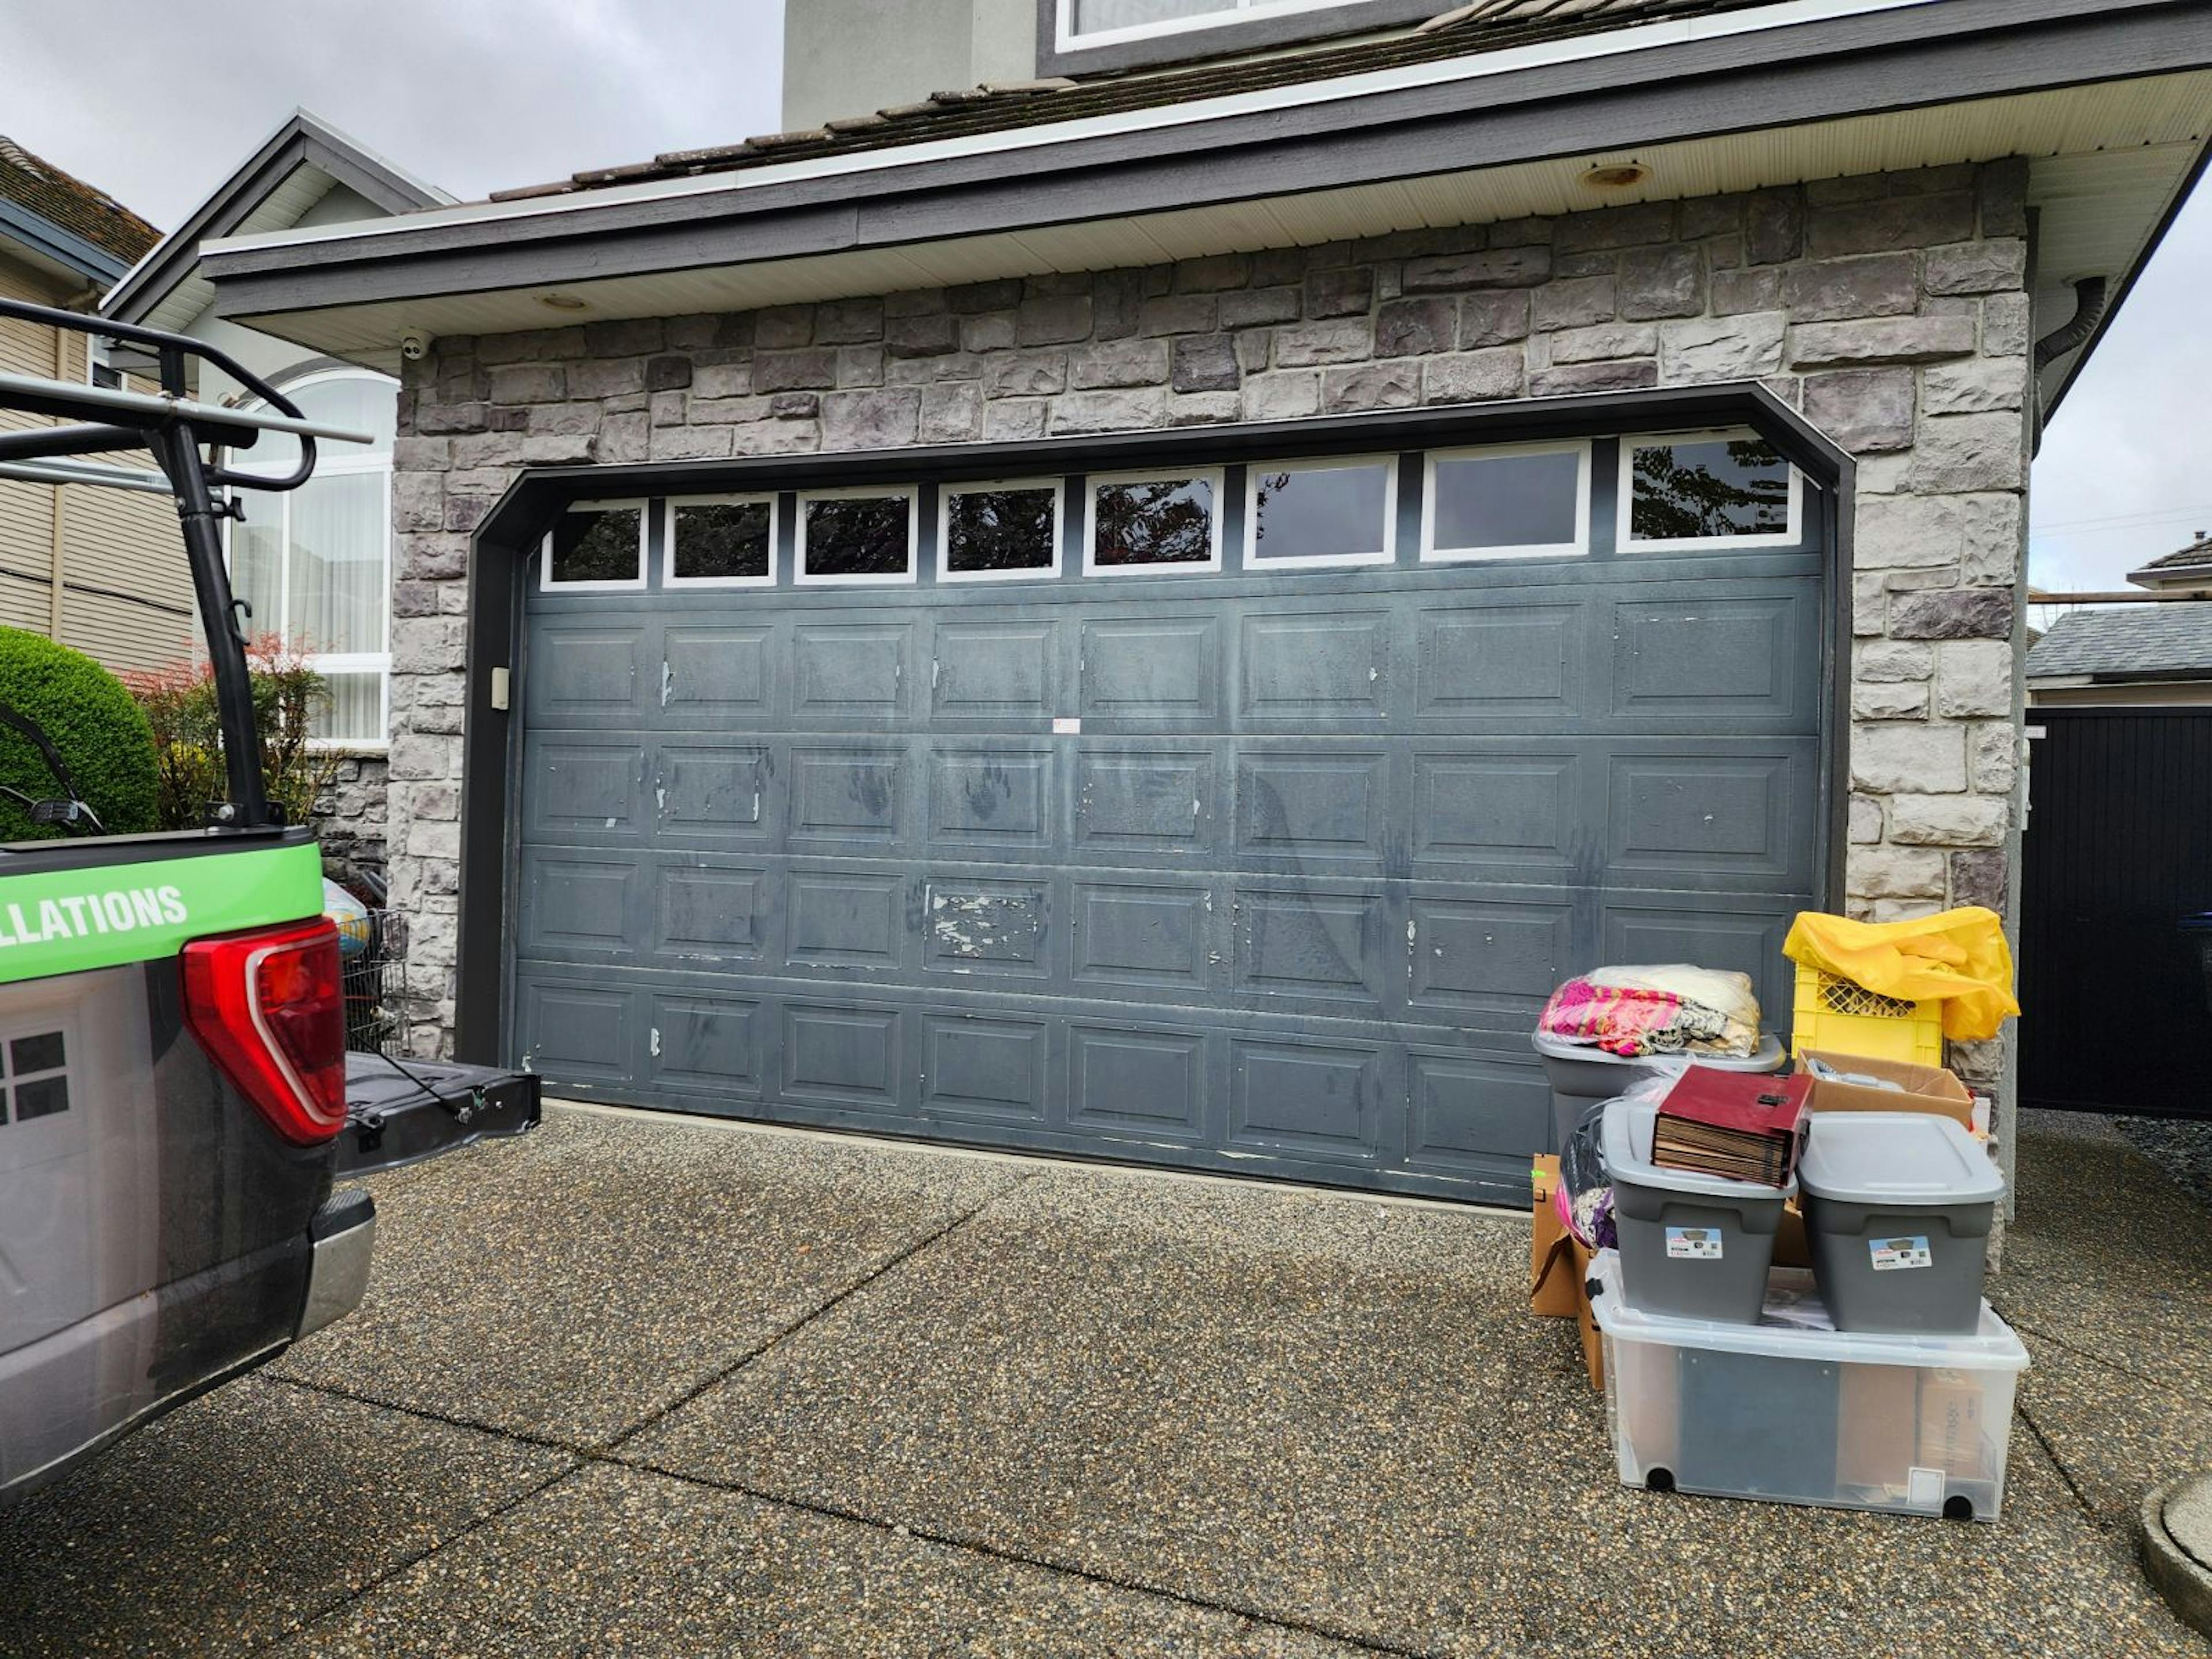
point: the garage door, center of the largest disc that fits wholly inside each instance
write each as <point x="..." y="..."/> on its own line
<point x="1233" y="818"/>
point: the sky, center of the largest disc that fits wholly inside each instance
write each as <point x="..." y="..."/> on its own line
<point x="477" y="95"/>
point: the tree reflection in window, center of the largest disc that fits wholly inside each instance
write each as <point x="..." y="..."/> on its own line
<point x="722" y="541"/>
<point x="596" y="544"/>
<point x="857" y="535"/>
<point x="1153" y="521"/>
<point x="1693" y="490"/>
<point x="1000" y="529"/>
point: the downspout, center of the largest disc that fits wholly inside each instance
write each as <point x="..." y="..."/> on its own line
<point x="56" y="520"/>
<point x="2090" y="295"/>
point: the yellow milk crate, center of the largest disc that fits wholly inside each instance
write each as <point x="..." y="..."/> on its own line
<point x="1842" y="1015"/>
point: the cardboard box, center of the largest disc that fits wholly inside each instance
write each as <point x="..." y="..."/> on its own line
<point x="1925" y="1088"/>
<point x="1951" y="1438"/>
<point x="1593" y="1340"/>
<point x="1554" y="1287"/>
<point x="1877" y="1426"/>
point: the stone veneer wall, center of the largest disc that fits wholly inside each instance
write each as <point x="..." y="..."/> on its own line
<point x="1892" y="310"/>
<point x="350" y="815"/>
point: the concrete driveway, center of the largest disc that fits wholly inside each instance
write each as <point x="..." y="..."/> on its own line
<point x="645" y="1386"/>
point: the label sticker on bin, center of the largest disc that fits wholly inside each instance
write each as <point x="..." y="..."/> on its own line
<point x="1694" y="1244"/>
<point x="1891" y="1254"/>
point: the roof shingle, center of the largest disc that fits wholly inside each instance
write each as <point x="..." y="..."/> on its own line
<point x="2192" y="560"/>
<point x="33" y="182"/>
<point x="2174" y="640"/>
<point x="997" y="106"/>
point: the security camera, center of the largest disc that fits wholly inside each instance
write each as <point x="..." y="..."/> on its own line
<point x="414" y="347"/>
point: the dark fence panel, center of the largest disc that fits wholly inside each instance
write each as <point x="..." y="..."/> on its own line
<point x="2119" y="849"/>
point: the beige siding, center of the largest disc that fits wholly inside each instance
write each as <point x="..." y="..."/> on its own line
<point x="27" y="511"/>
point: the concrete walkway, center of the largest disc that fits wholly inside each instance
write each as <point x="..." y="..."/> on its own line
<point x="642" y="1386"/>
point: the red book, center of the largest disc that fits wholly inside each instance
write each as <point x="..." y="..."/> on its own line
<point x="1742" y="1125"/>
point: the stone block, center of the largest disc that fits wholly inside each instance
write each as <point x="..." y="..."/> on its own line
<point x="667" y="373"/>
<point x="1896" y="872"/>
<point x="1118" y="362"/>
<point x="1889" y="700"/>
<point x="1639" y="226"/>
<point x="952" y="414"/>
<point x="1957" y="453"/>
<point x="1346" y="292"/>
<point x="1282" y="397"/>
<point x="1892" y="660"/>
<point x="1132" y="409"/>
<point x="690" y="443"/>
<point x="859" y="366"/>
<point x="1343" y="341"/>
<point x="776" y="438"/>
<point x="1258" y="306"/>
<point x="1983" y="267"/>
<point x="1870" y="285"/>
<point x="1573" y="303"/>
<point x="1992" y="541"/>
<point x="786" y="371"/>
<point x="923" y="370"/>
<point x="1416" y="327"/>
<point x="1947" y="820"/>
<point x="1974" y="677"/>
<point x="1178" y="314"/>
<point x="1473" y="377"/>
<point x="1905" y="760"/>
<point x="1492" y="318"/>
<point x="1630" y="375"/>
<point x="1880" y="340"/>
<point x="1595" y="344"/>
<point x="1395" y="384"/>
<point x="1867" y="411"/>
<point x="778" y="328"/>
<point x="1960" y="613"/>
<point x="1737" y="292"/>
<point x="1509" y="267"/>
<point x="1213" y="273"/>
<point x="722" y="380"/>
<point x="1894" y="221"/>
<point x="1702" y="348"/>
<point x="991" y="331"/>
<point x="623" y="438"/>
<point x="877" y="418"/>
<point x="1976" y="385"/>
<point x="528" y="383"/>
<point x="1204" y="362"/>
<point x="1004" y="294"/>
<point x="932" y="334"/>
<point x="1011" y="420"/>
<point x="2000" y="190"/>
<point x="1204" y="407"/>
<point x="1025" y="373"/>
<point x="1773" y="227"/>
<point x="1982" y="878"/>
<point x="1666" y="282"/>
<point x="849" y="322"/>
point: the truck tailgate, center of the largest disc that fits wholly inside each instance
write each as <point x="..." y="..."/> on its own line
<point x="400" y="1112"/>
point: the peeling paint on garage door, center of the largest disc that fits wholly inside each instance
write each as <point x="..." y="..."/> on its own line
<point x="1259" y="869"/>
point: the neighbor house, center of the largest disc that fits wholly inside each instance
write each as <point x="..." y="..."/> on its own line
<point x="93" y="567"/>
<point x="1153" y="605"/>
<point x="2139" y="655"/>
<point x="314" y="565"/>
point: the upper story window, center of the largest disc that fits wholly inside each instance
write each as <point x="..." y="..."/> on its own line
<point x="1103" y="22"/>
<point x="315" y="562"/>
<point x="98" y="368"/>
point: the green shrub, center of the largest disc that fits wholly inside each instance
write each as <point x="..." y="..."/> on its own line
<point x="91" y="719"/>
<point x="187" y="734"/>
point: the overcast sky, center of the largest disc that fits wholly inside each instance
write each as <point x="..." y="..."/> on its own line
<point x="156" y="100"/>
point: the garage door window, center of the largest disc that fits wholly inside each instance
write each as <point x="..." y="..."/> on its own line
<point x="596" y="547"/>
<point x="1527" y="502"/>
<point x="721" y="541"/>
<point x="1149" y="520"/>
<point x="1321" y="513"/>
<point x="856" y="536"/>
<point x="1707" y="489"/>
<point x="999" y="532"/>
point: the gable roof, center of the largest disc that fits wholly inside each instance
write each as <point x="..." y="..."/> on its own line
<point x="298" y="165"/>
<point x="999" y="106"/>
<point x="91" y="218"/>
<point x="2173" y="642"/>
<point x="2191" y="565"/>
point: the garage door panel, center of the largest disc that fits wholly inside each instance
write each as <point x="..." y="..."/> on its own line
<point x="1003" y="797"/>
<point x="719" y="674"/>
<point x="998" y="672"/>
<point x="571" y="904"/>
<point x="708" y="793"/>
<point x="719" y="914"/>
<point x="585" y="789"/>
<point x="716" y="1043"/>
<point x="570" y="1030"/>
<point x="1147" y="802"/>
<point x="846" y="796"/>
<point x="842" y="1053"/>
<point x="1323" y="1099"/>
<point x="1690" y="814"/>
<point x="1302" y="805"/>
<point x="847" y="670"/>
<point x="1128" y="1081"/>
<point x="1515" y="812"/>
<point x="1151" y="935"/>
<point x="587" y="674"/>
<point x="1743" y="933"/>
<point x="1140" y="673"/>
<point x="1300" y="942"/>
<point x="1475" y="1114"/>
<point x="1315" y="672"/>
<point x="989" y="926"/>
<point x="987" y="1071"/>
<point x="843" y="919"/>
<point x="1500" y="661"/>
<point x="1698" y="656"/>
<point x="1501" y="957"/>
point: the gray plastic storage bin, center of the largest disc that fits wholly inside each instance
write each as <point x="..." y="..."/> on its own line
<point x="1691" y="1246"/>
<point x="1897" y="1207"/>
<point x="1582" y="1076"/>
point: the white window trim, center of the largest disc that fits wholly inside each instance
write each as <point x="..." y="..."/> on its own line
<point x="1388" y="554"/>
<point x="332" y="460"/>
<point x="1627" y="542"/>
<point x="946" y="573"/>
<point x="908" y="493"/>
<point x="1094" y="482"/>
<point x="1576" y="548"/>
<point x="1227" y="14"/>
<point x="97" y="351"/>
<point x="547" y="585"/>
<point x="668" y="576"/>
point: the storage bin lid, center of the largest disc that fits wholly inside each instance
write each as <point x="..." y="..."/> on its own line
<point x="1907" y="1159"/>
<point x="1767" y="1057"/>
<point x="1991" y="1347"/>
<point x="1625" y="1140"/>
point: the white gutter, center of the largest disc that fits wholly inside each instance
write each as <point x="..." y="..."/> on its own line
<point x="1472" y="67"/>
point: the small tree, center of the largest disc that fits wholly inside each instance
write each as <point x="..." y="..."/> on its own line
<point x="180" y="701"/>
<point x="88" y="715"/>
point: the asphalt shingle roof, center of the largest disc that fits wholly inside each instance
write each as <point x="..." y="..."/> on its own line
<point x="2197" y="555"/>
<point x="2162" y="639"/>
<point x="33" y="182"/>
<point x="1484" y="26"/>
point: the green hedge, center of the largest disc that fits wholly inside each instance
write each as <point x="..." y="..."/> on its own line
<point x="91" y="719"/>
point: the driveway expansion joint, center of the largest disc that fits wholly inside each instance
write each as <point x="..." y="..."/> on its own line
<point x="2042" y="1439"/>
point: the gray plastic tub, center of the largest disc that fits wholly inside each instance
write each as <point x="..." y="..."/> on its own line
<point x="1583" y="1076"/>
<point x="1898" y="1207"/>
<point x="1691" y="1246"/>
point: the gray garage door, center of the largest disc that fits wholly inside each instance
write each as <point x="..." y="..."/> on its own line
<point x="1264" y="869"/>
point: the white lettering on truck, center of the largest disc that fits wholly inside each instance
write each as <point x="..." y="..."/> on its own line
<point x="79" y="915"/>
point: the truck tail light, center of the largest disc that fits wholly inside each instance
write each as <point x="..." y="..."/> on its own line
<point x="269" y="1007"/>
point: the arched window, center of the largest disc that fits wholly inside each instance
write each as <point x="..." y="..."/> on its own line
<point x="315" y="564"/>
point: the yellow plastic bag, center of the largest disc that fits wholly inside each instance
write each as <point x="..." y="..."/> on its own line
<point x="1959" y="955"/>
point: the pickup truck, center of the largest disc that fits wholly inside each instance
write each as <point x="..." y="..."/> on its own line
<point x="177" y="1103"/>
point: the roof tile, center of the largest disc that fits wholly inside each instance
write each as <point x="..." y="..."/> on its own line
<point x="33" y="182"/>
<point x="2174" y="640"/>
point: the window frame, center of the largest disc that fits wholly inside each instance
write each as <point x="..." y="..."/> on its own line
<point x="1214" y="476"/>
<point x="1626" y="543"/>
<point x="641" y="505"/>
<point x="805" y="578"/>
<point x="945" y="492"/>
<point x="669" y="579"/>
<point x="1066" y="40"/>
<point x="1585" y="482"/>
<point x="1386" y="554"/>
<point x="334" y="460"/>
<point x="98" y="352"/>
